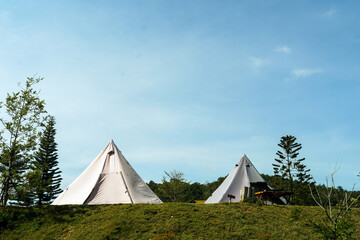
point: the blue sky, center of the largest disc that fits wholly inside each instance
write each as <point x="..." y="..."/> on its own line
<point x="192" y="85"/>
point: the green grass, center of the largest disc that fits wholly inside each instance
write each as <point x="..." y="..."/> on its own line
<point x="163" y="221"/>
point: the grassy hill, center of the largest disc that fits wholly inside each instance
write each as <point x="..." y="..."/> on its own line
<point x="163" y="221"/>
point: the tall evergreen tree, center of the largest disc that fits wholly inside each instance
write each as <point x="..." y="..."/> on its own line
<point x="46" y="172"/>
<point x="288" y="165"/>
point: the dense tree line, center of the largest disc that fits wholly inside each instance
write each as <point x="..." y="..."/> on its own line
<point x="201" y="191"/>
<point x="186" y="192"/>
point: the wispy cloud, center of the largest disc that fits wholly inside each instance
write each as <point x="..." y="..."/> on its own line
<point x="305" y="72"/>
<point x="330" y="13"/>
<point x="257" y="62"/>
<point x="283" y="49"/>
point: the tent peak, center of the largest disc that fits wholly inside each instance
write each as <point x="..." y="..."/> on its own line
<point x="244" y="158"/>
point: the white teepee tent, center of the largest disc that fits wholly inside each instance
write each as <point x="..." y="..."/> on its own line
<point x="244" y="174"/>
<point x="109" y="179"/>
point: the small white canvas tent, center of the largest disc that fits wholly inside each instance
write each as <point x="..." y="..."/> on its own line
<point x="243" y="175"/>
<point x="109" y="179"/>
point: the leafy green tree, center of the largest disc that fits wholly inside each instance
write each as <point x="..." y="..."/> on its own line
<point x="288" y="165"/>
<point x="45" y="166"/>
<point x="189" y="192"/>
<point x="25" y="113"/>
<point x="174" y="186"/>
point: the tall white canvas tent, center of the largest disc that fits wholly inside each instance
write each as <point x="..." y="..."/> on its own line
<point x="244" y="174"/>
<point x="109" y="179"/>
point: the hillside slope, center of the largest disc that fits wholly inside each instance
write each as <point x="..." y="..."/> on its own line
<point x="163" y="221"/>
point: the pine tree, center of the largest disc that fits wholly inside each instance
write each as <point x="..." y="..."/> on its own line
<point x="288" y="166"/>
<point x="45" y="170"/>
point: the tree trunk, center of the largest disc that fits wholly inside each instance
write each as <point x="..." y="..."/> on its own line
<point x="290" y="178"/>
<point x="6" y="182"/>
<point x="5" y="192"/>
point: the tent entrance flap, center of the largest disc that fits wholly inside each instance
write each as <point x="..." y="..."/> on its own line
<point x="109" y="189"/>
